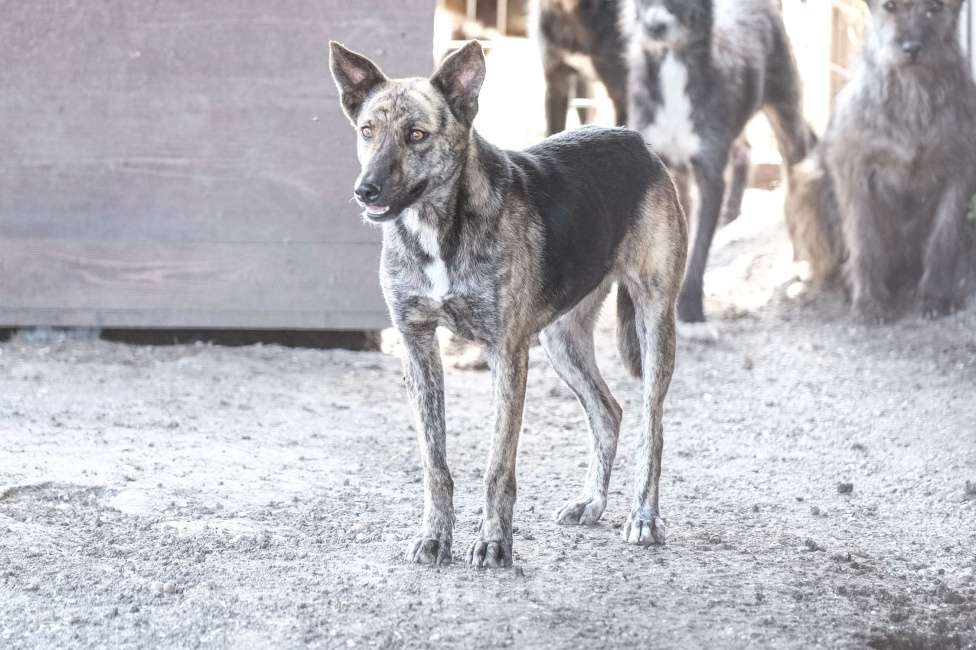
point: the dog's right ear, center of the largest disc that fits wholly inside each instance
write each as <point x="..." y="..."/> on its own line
<point x="355" y="76"/>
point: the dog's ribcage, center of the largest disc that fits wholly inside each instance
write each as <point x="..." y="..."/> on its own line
<point x="672" y="133"/>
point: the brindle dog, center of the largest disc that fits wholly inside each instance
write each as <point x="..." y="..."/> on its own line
<point x="502" y="245"/>
<point x="883" y="201"/>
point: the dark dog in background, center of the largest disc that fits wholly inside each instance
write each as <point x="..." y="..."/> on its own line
<point x="581" y="40"/>
<point x="883" y="202"/>
<point x="699" y="71"/>
<point x="499" y="246"/>
<point x="485" y="19"/>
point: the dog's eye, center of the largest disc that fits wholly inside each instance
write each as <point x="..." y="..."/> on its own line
<point x="890" y="6"/>
<point x="366" y="132"/>
<point x="416" y="135"/>
<point x="934" y="7"/>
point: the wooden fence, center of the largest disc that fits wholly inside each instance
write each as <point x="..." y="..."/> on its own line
<point x="185" y="164"/>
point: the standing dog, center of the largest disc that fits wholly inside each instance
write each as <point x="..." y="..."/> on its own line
<point x="581" y="40"/>
<point x="699" y="71"/>
<point x="501" y="245"/>
<point x="885" y="196"/>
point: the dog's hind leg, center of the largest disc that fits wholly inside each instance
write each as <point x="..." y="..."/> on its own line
<point x="711" y="192"/>
<point x="569" y="344"/>
<point x="794" y="137"/>
<point x="738" y="172"/>
<point x="783" y="101"/>
<point x="657" y="336"/>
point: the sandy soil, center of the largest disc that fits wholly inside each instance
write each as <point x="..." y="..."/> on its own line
<point x="815" y="487"/>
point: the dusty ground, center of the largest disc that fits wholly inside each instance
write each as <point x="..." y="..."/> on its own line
<point x="260" y="497"/>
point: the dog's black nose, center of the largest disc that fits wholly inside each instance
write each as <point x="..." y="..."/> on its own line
<point x="658" y="30"/>
<point x="912" y="49"/>
<point x="368" y="192"/>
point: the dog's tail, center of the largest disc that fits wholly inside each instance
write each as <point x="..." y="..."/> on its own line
<point x="627" y="341"/>
<point x="813" y="220"/>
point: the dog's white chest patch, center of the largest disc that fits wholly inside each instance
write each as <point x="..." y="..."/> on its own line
<point x="672" y="133"/>
<point x="435" y="270"/>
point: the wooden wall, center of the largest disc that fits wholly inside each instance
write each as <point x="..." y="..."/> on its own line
<point x="185" y="163"/>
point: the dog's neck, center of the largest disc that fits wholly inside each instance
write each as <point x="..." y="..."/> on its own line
<point x="468" y="200"/>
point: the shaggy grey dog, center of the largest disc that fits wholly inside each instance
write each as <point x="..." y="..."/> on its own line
<point x="699" y="70"/>
<point x="883" y="204"/>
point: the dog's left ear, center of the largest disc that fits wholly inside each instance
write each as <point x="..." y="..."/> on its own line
<point x="459" y="78"/>
<point x="355" y="76"/>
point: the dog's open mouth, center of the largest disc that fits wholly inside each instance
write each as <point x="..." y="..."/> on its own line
<point x="381" y="213"/>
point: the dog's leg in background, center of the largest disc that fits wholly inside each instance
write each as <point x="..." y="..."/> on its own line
<point x="657" y="336"/>
<point x="870" y="244"/>
<point x="794" y="137"/>
<point x="940" y="289"/>
<point x="558" y="76"/>
<point x="783" y="101"/>
<point x="738" y="173"/>
<point x="425" y="385"/>
<point x="614" y="78"/>
<point x="510" y="365"/>
<point x="569" y="344"/>
<point x="711" y="192"/>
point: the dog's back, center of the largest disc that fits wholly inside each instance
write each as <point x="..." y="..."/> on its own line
<point x="585" y="204"/>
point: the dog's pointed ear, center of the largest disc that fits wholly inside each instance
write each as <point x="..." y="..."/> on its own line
<point x="355" y="76"/>
<point x="459" y="78"/>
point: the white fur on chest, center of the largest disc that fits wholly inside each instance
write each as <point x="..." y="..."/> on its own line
<point x="672" y="133"/>
<point x="435" y="270"/>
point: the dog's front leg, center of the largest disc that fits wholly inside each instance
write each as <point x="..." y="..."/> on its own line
<point x="493" y="547"/>
<point x="940" y="288"/>
<point x="425" y="384"/>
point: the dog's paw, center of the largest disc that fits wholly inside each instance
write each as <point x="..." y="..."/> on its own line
<point x="871" y="311"/>
<point x="702" y="332"/>
<point x="491" y="553"/>
<point x="934" y="307"/>
<point x="435" y="551"/>
<point x="581" y="512"/>
<point x="643" y="530"/>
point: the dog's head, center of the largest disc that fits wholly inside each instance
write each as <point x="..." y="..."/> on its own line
<point x="413" y="134"/>
<point x="673" y="24"/>
<point x="914" y="32"/>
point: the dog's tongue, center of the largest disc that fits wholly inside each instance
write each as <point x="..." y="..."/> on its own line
<point x="376" y="209"/>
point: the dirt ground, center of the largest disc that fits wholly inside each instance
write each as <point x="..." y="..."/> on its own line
<point x="815" y="488"/>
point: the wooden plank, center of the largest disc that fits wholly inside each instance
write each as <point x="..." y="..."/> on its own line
<point x="108" y="283"/>
<point x="182" y="129"/>
<point x="969" y="33"/>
